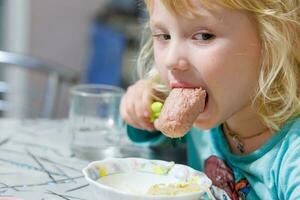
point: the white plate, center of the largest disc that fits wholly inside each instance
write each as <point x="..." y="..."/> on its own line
<point x="130" y="178"/>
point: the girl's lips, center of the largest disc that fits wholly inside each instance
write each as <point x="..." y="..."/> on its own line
<point x="206" y="102"/>
<point x="183" y="85"/>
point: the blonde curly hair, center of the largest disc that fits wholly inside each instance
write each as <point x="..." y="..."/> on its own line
<point x="278" y="95"/>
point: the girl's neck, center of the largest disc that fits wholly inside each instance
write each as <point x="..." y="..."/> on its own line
<point x="247" y="124"/>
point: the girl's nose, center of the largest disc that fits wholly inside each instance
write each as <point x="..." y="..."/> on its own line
<point x="176" y="58"/>
<point x="181" y="64"/>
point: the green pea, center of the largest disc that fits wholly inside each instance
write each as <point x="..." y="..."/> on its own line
<point x="156" y="107"/>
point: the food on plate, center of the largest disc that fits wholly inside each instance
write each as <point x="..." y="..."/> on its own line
<point x="173" y="188"/>
<point x="137" y="178"/>
<point x="180" y="188"/>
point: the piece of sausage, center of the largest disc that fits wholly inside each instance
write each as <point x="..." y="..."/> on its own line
<point x="180" y="111"/>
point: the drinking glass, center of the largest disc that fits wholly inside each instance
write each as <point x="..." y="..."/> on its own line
<point x="94" y="121"/>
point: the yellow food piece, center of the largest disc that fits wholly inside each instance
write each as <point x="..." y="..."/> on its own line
<point x="173" y="188"/>
<point x="102" y="172"/>
<point x="159" y="170"/>
<point x="156" y="107"/>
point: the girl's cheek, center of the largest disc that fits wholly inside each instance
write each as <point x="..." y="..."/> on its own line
<point x="162" y="70"/>
<point x="163" y="73"/>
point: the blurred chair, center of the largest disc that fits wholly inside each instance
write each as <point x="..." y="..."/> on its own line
<point x="54" y="76"/>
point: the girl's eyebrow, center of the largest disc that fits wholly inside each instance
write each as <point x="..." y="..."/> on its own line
<point x="156" y="24"/>
<point x="203" y="16"/>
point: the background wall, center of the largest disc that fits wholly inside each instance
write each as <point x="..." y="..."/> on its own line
<point x="59" y="29"/>
<point x="59" y="32"/>
<point x="52" y="30"/>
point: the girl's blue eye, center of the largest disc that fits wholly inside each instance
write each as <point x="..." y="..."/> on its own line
<point x="203" y="36"/>
<point x="162" y="36"/>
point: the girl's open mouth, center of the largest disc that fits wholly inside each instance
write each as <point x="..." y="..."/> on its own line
<point x="206" y="101"/>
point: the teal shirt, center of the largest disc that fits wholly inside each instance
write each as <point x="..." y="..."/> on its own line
<point x="271" y="172"/>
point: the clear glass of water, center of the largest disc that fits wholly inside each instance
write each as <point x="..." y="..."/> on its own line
<point x="94" y="121"/>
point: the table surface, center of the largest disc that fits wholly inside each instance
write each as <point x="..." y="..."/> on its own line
<point x="36" y="162"/>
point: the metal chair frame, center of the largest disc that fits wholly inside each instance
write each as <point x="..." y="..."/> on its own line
<point x="55" y="76"/>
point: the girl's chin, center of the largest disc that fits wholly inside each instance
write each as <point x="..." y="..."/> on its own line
<point x="203" y="126"/>
<point x="205" y="123"/>
<point x="205" y="120"/>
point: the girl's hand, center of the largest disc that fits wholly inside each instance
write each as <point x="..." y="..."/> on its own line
<point x="135" y="105"/>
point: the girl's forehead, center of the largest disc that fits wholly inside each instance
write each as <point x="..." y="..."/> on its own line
<point x="190" y="10"/>
<point x="183" y="7"/>
<point x="186" y="8"/>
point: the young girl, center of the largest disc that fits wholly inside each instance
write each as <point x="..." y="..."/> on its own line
<point x="245" y="55"/>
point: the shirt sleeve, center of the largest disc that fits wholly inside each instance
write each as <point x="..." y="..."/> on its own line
<point x="289" y="178"/>
<point x="153" y="138"/>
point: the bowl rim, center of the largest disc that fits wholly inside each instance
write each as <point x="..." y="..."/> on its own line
<point x="114" y="190"/>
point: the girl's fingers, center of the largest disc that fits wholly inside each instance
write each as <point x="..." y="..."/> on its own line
<point x="142" y="114"/>
<point x="146" y="103"/>
<point x="127" y="112"/>
<point x="135" y="106"/>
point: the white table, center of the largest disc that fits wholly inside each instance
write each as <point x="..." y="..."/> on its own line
<point x="36" y="162"/>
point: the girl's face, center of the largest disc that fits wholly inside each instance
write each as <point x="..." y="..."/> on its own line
<point x="218" y="50"/>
